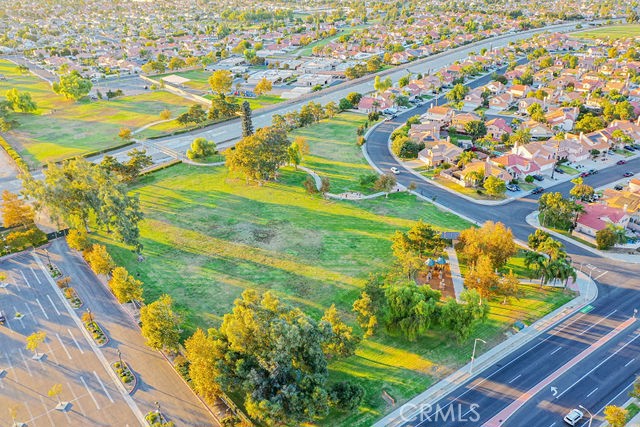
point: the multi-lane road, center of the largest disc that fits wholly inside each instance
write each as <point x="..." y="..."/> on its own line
<point x="581" y="358"/>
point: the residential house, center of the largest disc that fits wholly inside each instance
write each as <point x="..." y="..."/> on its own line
<point x="524" y="104"/>
<point x="597" y="216"/>
<point x="438" y="114"/>
<point x="495" y="87"/>
<point x="563" y="118"/>
<point x="460" y="120"/>
<point x="369" y="104"/>
<point x="486" y="167"/>
<point x="519" y="91"/>
<point x="498" y="127"/>
<point x="516" y="165"/>
<point x="473" y="100"/>
<point x="542" y="154"/>
<point x="501" y="102"/>
<point x="440" y="152"/>
<point x="424" y="132"/>
<point x="538" y="130"/>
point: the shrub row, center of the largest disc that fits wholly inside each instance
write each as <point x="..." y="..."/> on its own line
<point x="14" y="155"/>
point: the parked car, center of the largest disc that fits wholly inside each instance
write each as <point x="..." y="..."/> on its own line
<point x="394" y="170"/>
<point x="573" y="417"/>
<point x="621" y="162"/>
<point x="627" y="174"/>
<point x="584" y="174"/>
<point x="3" y="319"/>
<point x="593" y="171"/>
<point x="629" y="148"/>
<point x="513" y="187"/>
<point x="537" y="190"/>
<point x="538" y="177"/>
<point x="618" y="187"/>
<point x="558" y="170"/>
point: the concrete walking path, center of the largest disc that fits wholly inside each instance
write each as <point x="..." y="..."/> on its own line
<point x="456" y="275"/>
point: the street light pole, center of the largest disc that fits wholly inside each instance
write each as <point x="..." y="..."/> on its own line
<point x="46" y="251"/>
<point x="158" y="410"/>
<point x="473" y="355"/>
<point x="90" y="316"/>
<point x="119" y="356"/>
<point x="590" y="414"/>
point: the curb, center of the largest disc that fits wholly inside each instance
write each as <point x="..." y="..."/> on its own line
<point x="436" y="392"/>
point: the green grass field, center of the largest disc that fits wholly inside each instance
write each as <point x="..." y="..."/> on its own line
<point x="62" y="129"/>
<point x="334" y="153"/>
<point x="207" y="237"/>
<point x="199" y="79"/>
<point x="613" y="32"/>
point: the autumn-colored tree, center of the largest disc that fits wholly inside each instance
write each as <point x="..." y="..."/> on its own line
<point x="493" y="239"/>
<point x="263" y="87"/>
<point x="203" y="354"/>
<point x="78" y="239"/>
<point x="615" y="416"/>
<point x="124" y="286"/>
<point x="160" y="325"/>
<point x="34" y="340"/>
<point x="366" y="314"/>
<point x="221" y="81"/>
<point x="482" y="277"/>
<point x="99" y="259"/>
<point x="15" y="211"/>
<point x="342" y="341"/>
<point x="125" y="134"/>
<point x="385" y="183"/>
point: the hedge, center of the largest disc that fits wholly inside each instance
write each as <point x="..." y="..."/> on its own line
<point x="14" y="155"/>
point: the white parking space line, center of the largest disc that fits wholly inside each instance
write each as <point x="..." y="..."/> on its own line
<point x="90" y="394"/>
<point x="35" y="275"/>
<point x="74" y="340"/>
<point x="556" y="350"/>
<point x="103" y="387"/>
<point x="25" y="279"/>
<point x="54" y="306"/>
<point x="42" y="308"/>
<point x="592" y="391"/>
<point x="15" y="310"/>
<point x="629" y="362"/>
<point x="30" y="312"/>
<point x="51" y="354"/>
<point x="8" y="361"/>
<point x="76" y="400"/>
<point x="515" y="378"/>
<point x="47" y="410"/>
<point x="26" y="363"/>
<point x="63" y="346"/>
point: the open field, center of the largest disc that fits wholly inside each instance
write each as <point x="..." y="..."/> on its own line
<point x="334" y="152"/>
<point x="199" y="79"/>
<point x="62" y="129"/>
<point x="614" y="32"/>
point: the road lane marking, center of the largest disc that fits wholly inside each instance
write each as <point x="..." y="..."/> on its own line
<point x="90" y="394"/>
<point x="515" y="378"/>
<point x="42" y="308"/>
<point x="35" y="275"/>
<point x="74" y="340"/>
<point x="63" y="346"/>
<point x="498" y="419"/>
<point x="592" y="391"/>
<point x="551" y="425"/>
<point x="598" y="322"/>
<point x="24" y="360"/>
<point x="601" y="275"/>
<point x="629" y="362"/>
<point x="54" y="306"/>
<point x="103" y="387"/>
<point x="556" y="350"/>
<point x="25" y="279"/>
<point x="601" y="363"/>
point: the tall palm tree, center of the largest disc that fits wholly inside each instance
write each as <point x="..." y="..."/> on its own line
<point x="535" y="260"/>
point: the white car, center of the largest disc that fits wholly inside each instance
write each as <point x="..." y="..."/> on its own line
<point x="394" y="170"/>
<point x="573" y="417"/>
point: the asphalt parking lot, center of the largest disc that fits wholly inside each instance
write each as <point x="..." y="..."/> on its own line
<point x="70" y="359"/>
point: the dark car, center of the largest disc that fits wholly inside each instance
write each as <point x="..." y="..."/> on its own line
<point x="538" y="177"/>
<point x="627" y="174"/>
<point x="629" y="148"/>
<point x="585" y="174"/>
<point x="513" y="187"/>
<point x="558" y="170"/>
<point x="621" y="162"/>
<point x="618" y="187"/>
<point x="593" y="171"/>
<point x="2" y="318"/>
<point x="537" y="190"/>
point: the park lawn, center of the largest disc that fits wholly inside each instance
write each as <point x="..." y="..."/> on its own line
<point x="261" y="101"/>
<point x="613" y="32"/>
<point x="199" y="79"/>
<point x="334" y="152"/>
<point x="87" y="126"/>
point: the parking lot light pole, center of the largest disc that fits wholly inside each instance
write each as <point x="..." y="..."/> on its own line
<point x="473" y="355"/>
<point x="46" y="251"/>
<point x="90" y="316"/>
<point x="119" y="356"/>
<point x="159" y="412"/>
<point x="589" y="412"/>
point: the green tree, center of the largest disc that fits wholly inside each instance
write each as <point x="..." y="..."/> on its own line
<point x="247" y="123"/>
<point x="21" y="101"/>
<point x="589" y="123"/>
<point x="466" y="157"/>
<point x="160" y="325"/>
<point x="201" y="148"/>
<point x="295" y="154"/>
<point x="259" y="156"/>
<point x="410" y="309"/>
<point x="581" y="190"/>
<point x="346" y="396"/>
<point x="606" y="238"/>
<point x="461" y="318"/>
<point x="203" y="352"/>
<point x="558" y="212"/>
<point x="520" y="137"/>
<point x="494" y="186"/>
<point x="124" y="286"/>
<point x="536" y="238"/>
<point x="341" y="341"/>
<point x="274" y="360"/>
<point x="221" y="81"/>
<point x="73" y="86"/>
<point x="476" y="129"/>
<point x="458" y="93"/>
<point x="385" y="183"/>
<point x="405" y="148"/>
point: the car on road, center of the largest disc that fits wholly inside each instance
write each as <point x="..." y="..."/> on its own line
<point x="2" y="318"/>
<point x="627" y="174"/>
<point x="621" y="162"/>
<point x="538" y="177"/>
<point x="618" y="187"/>
<point x="513" y="187"/>
<point x="573" y="417"/>
<point x="593" y="171"/>
<point x="394" y="170"/>
<point x="584" y="174"/>
<point x="537" y="190"/>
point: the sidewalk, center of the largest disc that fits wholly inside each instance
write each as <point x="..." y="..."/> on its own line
<point x="532" y="220"/>
<point x="456" y="276"/>
<point x="588" y="292"/>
